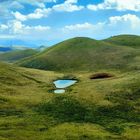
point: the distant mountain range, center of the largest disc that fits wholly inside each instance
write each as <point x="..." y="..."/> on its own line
<point x="17" y="42"/>
<point x="16" y="53"/>
<point x="13" y="48"/>
<point x="7" y="49"/>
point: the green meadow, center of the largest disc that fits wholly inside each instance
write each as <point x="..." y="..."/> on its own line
<point x="103" y="105"/>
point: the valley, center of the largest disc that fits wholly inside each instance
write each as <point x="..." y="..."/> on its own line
<point x="104" y="103"/>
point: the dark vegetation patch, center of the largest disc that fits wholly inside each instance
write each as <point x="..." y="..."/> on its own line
<point x="3" y="100"/>
<point x="124" y="96"/>
<point x="68" y="77"/>
<point x="127" y="104"/>
<point x="31" y="78"/>
<point x="65" y="108"/>
<point x="101" y="76"/>
<point x="7" y="80"/>
<point x="10" y="112"/>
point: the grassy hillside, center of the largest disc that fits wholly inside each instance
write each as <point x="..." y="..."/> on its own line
<point x="125" y="40"/>
<point x="104" y="109"/>
<point x="103" y="105"/>
<point x="84" y="54"/>
<point x="15" y="55"/>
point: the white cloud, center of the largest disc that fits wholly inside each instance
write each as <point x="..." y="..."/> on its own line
<point x="125" y="24"/>
<point x="3" y="27"/>
<point x="7" y="37"/>
<point x="83" y="29"/>
<point x="71" y="1"/>
<point x="16" y="27"/>
<point x="19" y="16"/>
<point x="120" y="5"/>
<point x="37" y="14"/>
<point x="39" y="3"/>
<point x="16" y="5"/>
<point x="79" y="26"/>
<point x="6" y="6"/>
<point x="132" y="20"/>
<point x="68" y="6"/>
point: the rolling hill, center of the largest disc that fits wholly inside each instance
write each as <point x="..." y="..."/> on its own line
<point x="84" y="54"/>
<point x="125" y="40"/>
<point x="102" y="105"/>
<point x="15" y="55"/>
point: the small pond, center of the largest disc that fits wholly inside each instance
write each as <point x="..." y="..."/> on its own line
<point x="59" y="91"/>
<point x="62" y="84"/>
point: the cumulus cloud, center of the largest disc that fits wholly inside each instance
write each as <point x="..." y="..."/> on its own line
<point x="68" y="6"/>
<point x="6" y="6"/>
<point x="120" y="5"/>
<point x="132" y="20"/>
<point x="15" y="27"/>
<point x="125" y="24"/>
<point x="37" y="14"/>
<point x="3" y="27"/>
<point x="79" y="26"/>
<point x="84" y="27"/>
<point x="38" y="3"/>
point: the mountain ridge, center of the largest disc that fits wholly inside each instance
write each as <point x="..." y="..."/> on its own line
<point x="82" y="53"/>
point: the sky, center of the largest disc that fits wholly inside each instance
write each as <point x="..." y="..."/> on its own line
<point x="46" y="22"/>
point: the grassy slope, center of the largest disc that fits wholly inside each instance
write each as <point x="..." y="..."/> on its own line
<point x="104" y="109"/>
<point x="125" y="40"/>
<point x="13" y="56"/>
<point x="84" y="54"/>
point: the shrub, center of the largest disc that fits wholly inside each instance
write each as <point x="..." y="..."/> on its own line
<point x="65" y="108"/>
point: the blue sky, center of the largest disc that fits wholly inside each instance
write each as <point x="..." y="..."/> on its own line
<point x="46" y="22"/>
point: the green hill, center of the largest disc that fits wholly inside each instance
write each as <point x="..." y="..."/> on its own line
<point x="125" y="40"/>
<point x="15" y="55"/>
<point x="83" y="54"/>
<point x="103" y="105"/>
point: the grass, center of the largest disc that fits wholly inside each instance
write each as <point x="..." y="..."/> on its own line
<point x="104" y="104"/>
<point x="125" y="40"/>
<point x="104" y="109"/>
<point x="15" y="55"/>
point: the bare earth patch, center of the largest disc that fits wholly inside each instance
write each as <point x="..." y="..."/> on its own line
<point x="101" y="76"/>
